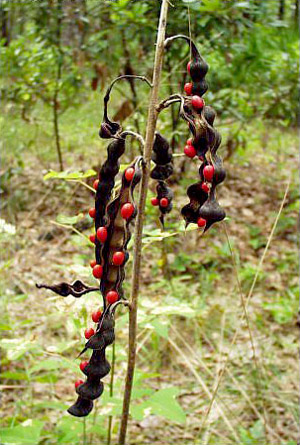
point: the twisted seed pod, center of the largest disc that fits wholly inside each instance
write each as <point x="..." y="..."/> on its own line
<point x="116" y="228"/>
<point x="118" y="233"/>
<point x="206" y="141"/>
<point x="162" y="156"/>
<point x="108" y="128"/>
<point x="97" y="368"/>
<point x="77" y="289"/>
<point x="108" y="214"/>
<point x="106" y="183"/>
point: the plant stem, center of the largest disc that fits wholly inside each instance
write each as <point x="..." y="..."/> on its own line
<point x="55" y="103"/>
<point x="84" y="432"/>
<point x="150" y="132"/>
<point x="111" y="390"/>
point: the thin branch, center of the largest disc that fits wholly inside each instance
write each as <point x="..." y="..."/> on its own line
<point x="108" y="91"/>
<point x="150" y="132"/>
<point x="137" y="136"/>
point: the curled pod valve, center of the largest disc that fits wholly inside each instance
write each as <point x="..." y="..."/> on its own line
<point x="162" y="156"/>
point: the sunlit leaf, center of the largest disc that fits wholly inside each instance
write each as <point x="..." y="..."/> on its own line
<point x="28" y="432"/>
<point x="69" y="175"/>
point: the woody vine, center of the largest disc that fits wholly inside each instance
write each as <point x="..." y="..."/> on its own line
<point x="114" y="214"/>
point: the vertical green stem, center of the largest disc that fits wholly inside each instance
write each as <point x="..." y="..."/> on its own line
<point x="111" y="390"/>
<point x="84" y="431"/>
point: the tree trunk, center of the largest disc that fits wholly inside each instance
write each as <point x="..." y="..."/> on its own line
<point x="281" y="9"/>
<point x="4" y="25"/>
<point x="296" y="13"/>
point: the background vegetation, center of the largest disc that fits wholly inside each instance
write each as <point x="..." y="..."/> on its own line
<point x="204" y="375"/>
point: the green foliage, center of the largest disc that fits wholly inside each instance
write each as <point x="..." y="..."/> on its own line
<point x="28" y="432"/>
<point x="69" y="175"/>
<point x="190" y="295"/>
<point x="31" y="66"/>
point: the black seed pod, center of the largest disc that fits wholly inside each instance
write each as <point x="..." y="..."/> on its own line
<point x="198" y="68"/>
<point x="197" y="196"/>
<point x="206" y="141"/>
<point x="211" y="211"/>
<point x="81" y="408"/>
<point x="162" y="156"/>
<point x="209" y="114"/>
<point x="199" y="88"/>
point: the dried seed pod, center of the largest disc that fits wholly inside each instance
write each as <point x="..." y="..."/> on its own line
<point x="113" y="235"/>
<point x="211" y="211"/>
<point x="162" y="156"/>
<point x="77" y="289"/>
<point x="206" y="141"/>
<point x="109" y="129"/>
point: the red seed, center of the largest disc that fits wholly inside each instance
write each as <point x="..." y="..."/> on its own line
<point x="88" y="333"/>
<point x="208" y="172"/>
<point x="190" y="151"/>
<point x="188" y="88"/>
<point x="205" y="187"/>
<point x="98" y="271"/>
<point x="112" y="296"/>
<point x="96" y="315"/>
<point x="95" y="184"/>
<point x="127" y="210"/>
<point x="102" y="234"/>
<point x="129" y="174"/>
<point x="189" y="141"/>
<point x="188" y="67"/>
<point x="78" y="382"/>
<point x="118" y="258"/>
<point x="83" y="365"/>
<point x="201" y="222"/>
<point x="92" y="238"/>
<point x="92" y="212"/>
<point x="164" y="202"/>
<point x="93" y="263"/>
<point x="154" y="201"/>
<point x="197" y="102"/>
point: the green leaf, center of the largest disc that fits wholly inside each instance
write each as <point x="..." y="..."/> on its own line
<point x="50" y="405"/>
<point x="163" y="403"/>
<point x="210" y="5"/>
<point x="28" y="432"/>
<point x="69" y="430"/>
<point x="14" y="375"/>
<point x="180" y="309"/>
<point x="69" y="220"/>
<point x="69" y="175"/>
<point x="52" y="364"/>
<point x="5" y="327"/>
<point x="16" y="348"/>
<point x="160" y="327"/>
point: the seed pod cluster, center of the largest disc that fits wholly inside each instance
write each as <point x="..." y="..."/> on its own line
<point x="113" y="217"/>
<point x="197" y="68"/>
<point x="203" y="207"/>
<point x="162" y="156"/>
<point x="115" y="211"/>
<point x="112" y="227"/>
<point x="97" y="367"/>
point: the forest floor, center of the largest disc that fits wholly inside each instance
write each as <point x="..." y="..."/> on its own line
<point x="205" y="373"/>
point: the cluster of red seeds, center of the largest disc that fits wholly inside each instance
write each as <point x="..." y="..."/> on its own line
<point x="190" y="151"/>
<point x="118" y="258"/>
<point x="88" y="333"/>
<point x="97" y="269"/>
<point x="163" y="202"/>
